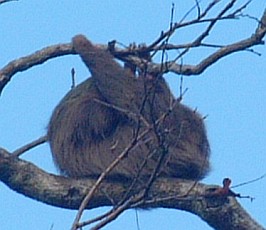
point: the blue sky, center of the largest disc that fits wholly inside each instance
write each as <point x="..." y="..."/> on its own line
<point x="232" y="93"/>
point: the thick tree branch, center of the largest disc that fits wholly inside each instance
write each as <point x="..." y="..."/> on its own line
<point x="50" y="52"/>
<point x="37" y="58"/>
<point x="218" y="211"/>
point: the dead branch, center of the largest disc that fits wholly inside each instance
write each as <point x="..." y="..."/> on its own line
<point x="219" y="212"/>
<point x="255" y="39"/>
<point x="5" y="1"/>
<point x="29" y="146"/>
<point x="124" y="202"/>
<point x="37" y="58"/>
<point x="41" y="56"/>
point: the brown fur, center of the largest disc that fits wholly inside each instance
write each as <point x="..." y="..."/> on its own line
<point x="86" y="135"/>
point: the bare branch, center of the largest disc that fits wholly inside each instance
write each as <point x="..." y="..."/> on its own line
<point x="29" y="61"/>
<point x="99" y="181"/>
<point x="50" y="52"/>
<point x="29" y="146"/>
<point x="211" y="25"/>
<point x="113" y="215"/>
<point x="255" y="39"/>
<point x="124" y="202"/>
<point x="249" y="182"/>
<point x="190" y="196"/>
<point x="5" y="1"/>
<point x="29" y="180"/>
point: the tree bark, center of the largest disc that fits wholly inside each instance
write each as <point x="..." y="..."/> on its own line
<point x="220" y="212"/>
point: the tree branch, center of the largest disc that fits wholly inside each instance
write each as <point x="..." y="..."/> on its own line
<point x="127" y="55"/>
<point x="5" y="1"/>
<point x="220" y="212"/>
<point x="37" y="58"/>
<point x="255" y="39"/>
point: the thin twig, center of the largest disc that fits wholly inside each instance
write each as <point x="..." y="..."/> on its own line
<point x="249" y="182"/>
<point x="88" y="197"/>
<point x="29" y="146"/>
<point x="98" y="218"/>
<point x="125" y="111"/>
<point x="114" y="214"/>
<point x="73" y="85"/>
<point x="47" y="53"/>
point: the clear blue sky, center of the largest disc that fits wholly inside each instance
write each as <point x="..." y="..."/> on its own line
<point x="232" y="93"/>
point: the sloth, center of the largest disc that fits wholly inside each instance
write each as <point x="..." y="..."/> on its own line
<point x="114" y="111"/>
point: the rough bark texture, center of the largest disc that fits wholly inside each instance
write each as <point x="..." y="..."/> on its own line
<point x="219" y="212"/>
<point x="43" y="55"/>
